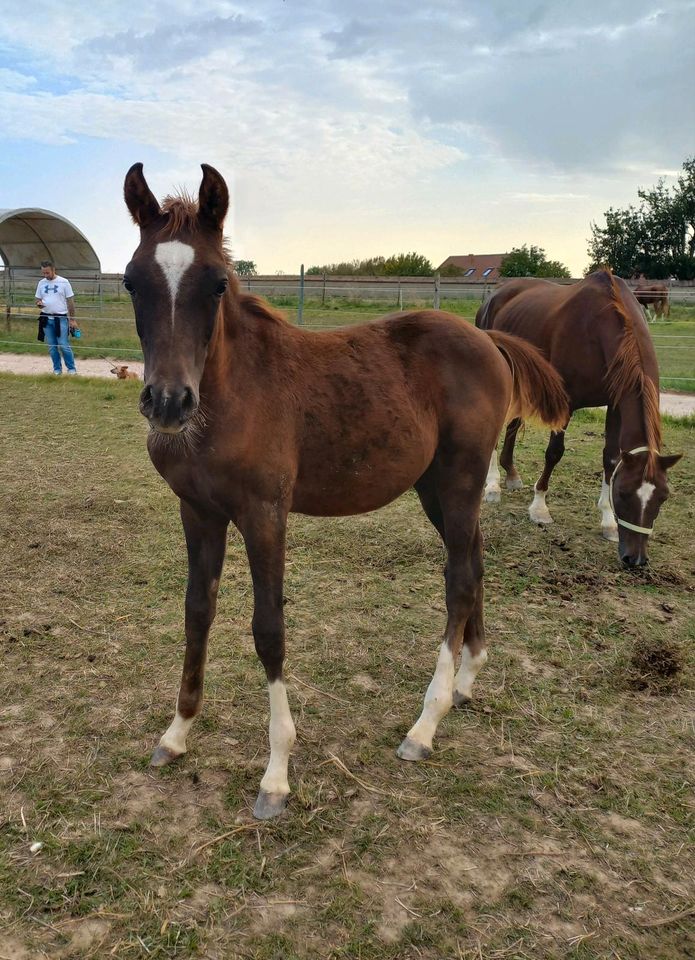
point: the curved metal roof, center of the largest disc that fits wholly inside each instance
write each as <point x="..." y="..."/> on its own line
<point x="29" y="235"/>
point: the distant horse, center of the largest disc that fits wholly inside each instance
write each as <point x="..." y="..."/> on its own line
<point x="252" y="418"/>
<point x="594" y="334"/>
<point x="654" y="294"/>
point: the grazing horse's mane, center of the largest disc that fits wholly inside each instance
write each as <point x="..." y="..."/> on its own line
<point x="627" y="373"/>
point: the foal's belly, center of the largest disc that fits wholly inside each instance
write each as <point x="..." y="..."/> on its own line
<point x="340" y="478"/>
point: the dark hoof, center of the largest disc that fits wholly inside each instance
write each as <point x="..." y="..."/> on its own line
<point x="162" y="756"/>
<point x="461" y="699"/>
<point x="269" y="805"/>
<point x="411" y="750"/>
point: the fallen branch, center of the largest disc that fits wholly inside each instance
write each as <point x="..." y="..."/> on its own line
<point x="674" y="918"/>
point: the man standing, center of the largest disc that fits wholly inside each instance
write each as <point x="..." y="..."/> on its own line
<point x="57" y="302"/>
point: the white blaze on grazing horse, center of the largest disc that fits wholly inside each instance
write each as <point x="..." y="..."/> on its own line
<point x="326" y="424"/>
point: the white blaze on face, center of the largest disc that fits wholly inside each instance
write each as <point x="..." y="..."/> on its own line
<point x="174" y="258"/>
<point x="645" y="494"/>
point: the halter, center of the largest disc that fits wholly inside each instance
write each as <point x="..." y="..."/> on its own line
<point x="624" y="523"/>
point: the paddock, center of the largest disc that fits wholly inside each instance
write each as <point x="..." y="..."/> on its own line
<point x="552" y="820"/>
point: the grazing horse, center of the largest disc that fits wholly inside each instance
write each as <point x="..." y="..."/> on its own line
<point x="653" y="294"/>
<point x="594" y="334"/>
<point x="252" y="418"/>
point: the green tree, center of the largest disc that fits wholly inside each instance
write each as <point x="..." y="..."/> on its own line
<point x="245" y="268"/>
<point x="531" y="261"/>
<point x="398" y="265"/>
<point x="657" y="237"/>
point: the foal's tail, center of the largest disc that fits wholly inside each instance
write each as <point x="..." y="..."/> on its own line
<point x="537" y="391"/>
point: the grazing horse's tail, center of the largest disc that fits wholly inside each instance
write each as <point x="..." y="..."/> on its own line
<point x="538" y="391"/>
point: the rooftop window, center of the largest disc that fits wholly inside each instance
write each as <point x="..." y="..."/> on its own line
<point x="469" y="272"/>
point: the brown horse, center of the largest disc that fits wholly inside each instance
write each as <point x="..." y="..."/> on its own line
<point x="252" y="418"/>
<point x="654" y="294"/>
<point x="594" y="334"/>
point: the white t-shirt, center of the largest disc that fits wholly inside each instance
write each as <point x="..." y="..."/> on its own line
<point x="54" y="294"/>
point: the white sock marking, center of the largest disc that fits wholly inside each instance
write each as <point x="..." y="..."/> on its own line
<point x="282" y="737"/>
<point x="538" y="511"/>
<point x="492" y="483"/>
<point x="175" y="737"/>
<point x="438" y="699"/>
<point x="608" y="523"/>
<point x="174" y="258"/>
<point x="468" y="670"/>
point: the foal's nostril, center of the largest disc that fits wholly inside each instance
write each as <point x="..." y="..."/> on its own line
<point x="188" y="402"/>
<point x="146" y="401"/>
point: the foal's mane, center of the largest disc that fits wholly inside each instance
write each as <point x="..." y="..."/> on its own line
<point x="626" y="372"/>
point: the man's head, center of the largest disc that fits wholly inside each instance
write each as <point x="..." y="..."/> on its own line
<point x="48" y="269"/>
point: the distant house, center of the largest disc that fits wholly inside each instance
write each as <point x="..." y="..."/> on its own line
<point x="474" y="266"/>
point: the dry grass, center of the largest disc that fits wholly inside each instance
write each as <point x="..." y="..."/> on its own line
<point x="553" y="820"/>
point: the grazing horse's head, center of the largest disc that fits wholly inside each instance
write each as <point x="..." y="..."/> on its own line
<point x="176" y="278"/>
<point x="639" y="486"/>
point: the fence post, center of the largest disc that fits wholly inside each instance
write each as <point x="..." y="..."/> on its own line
<point x="300" y="305"/>
<point x="400" y="295"/>
<point x="323" y="294"/>
<point x="436" y="292"/>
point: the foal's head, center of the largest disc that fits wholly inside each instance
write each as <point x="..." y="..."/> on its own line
<point x="639" y="487"/>
<point x="177" y="278"/>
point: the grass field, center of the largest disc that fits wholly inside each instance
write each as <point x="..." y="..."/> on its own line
<point x="554" y="819"/>
<point x="111" y="333"/>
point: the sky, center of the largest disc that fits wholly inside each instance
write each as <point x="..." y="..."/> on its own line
<point x="348" y="129"/>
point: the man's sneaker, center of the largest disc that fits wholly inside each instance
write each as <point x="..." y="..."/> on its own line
<point x="57" y="373"/>
<point x="73" y="373"/>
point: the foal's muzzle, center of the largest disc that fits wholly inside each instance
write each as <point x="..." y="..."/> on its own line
<point x="168" y="408"/>
<point x="634" y="560"/>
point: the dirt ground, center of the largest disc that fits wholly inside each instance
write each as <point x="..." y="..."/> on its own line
<point x="677" y="404"/>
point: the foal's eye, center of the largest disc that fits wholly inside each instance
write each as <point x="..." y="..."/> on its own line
<point x="128" y="285"/>
<point x="221" y="287"/>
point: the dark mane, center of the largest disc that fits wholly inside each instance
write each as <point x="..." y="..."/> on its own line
<point x="627" y="372"/>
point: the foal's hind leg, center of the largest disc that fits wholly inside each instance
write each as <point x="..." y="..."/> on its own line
<point x="206" y="539"/>
<point x="538" y="511"/>
<point x="464" y="571"/>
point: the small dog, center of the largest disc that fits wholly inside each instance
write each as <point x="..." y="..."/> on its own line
<point x="123" y="373"/>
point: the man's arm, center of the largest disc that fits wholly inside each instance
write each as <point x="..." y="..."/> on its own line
<point x="72" y="323"/>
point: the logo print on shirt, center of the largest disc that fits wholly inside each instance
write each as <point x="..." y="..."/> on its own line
<point x="47" y="288"/>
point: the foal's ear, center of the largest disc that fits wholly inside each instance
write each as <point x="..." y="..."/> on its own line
<point x="670" y="461"/>
<point x="213" y="198"/>
<point x="142" y="203"/>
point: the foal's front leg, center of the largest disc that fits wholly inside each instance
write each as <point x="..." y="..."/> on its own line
<point x="264" y="536"/>
<point x="206" y="540"/>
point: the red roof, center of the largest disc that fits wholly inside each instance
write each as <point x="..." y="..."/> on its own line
<point x="476" y="266"/>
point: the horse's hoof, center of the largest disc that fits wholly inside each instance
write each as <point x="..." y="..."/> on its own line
<point x="269" y="805"/>
<point x="610" y="533"/>
<point x="162" y="756"/>
<point x="412" y="750"/>
<point x="461" y="699"/>
<point x="516" y="484"/>
<point x="493" y="496"/>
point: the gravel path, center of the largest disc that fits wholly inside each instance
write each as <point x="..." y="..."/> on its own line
<point x="678" y="404"/>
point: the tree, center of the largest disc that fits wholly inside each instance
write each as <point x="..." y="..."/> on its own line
<point x="245" y="268"/>
<point x="398" y="265"/>
<point x="531" y="261"/>
<point x="656" y="238"/>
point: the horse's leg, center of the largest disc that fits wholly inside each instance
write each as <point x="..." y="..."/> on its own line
<point x="206" y="540"/>
<point x="538" y="511"/>
<point x="513" y="481"/>
<point x="264" y="536"/>
<point x="427" y="492"/>
<point x="463" y="573"/>
<point x="609" y="527"/>
<point x="473" y="654"/>
<point x="493" y="491"/>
